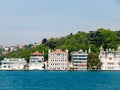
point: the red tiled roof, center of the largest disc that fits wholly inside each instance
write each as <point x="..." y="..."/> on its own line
<point x="58" y="50"/>
<point x="36" y="53"/>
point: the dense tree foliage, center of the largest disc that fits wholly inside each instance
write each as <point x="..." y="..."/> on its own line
<point x="73" y="42"/>
<point x="44" y="41"/>
<point x="112" y="40"/>
<point x="96" y="38"/>
<point x="93" y="61"/>
<point x="118" y="33"/>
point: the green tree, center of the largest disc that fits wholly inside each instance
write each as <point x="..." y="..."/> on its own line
<point x="111" y="38"/>
<point x="44" y="41"/>
<point x="93" y="61"/>
<point x="96" y="38"/>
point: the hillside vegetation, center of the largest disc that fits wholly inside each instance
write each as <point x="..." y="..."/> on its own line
<point x="73" y="42"/>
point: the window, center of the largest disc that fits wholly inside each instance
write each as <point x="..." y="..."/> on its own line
<point x="82" y="55"/>
<point x="58" y="54"/>
<point x="4" y="66"/>
<point x="79" y="58"/>
<point x="8" y="66"/>
<point x="39" y="61"/>
<point x="32" y="61"/>
<point x="110" y="58"/>
<point x="110" y="63"/>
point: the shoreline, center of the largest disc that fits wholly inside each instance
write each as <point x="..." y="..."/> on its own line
<point x="68" y="70"/>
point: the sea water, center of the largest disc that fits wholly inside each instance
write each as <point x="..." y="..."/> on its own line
<point x="59" y="80"/>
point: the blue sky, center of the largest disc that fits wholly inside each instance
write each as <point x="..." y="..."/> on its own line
<point x="29" y="21"/>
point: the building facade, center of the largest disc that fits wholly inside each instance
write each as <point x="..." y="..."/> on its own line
<point x="58" y="60"/>
<point x="110" y="59"/>
<point x="79" y="60"/>
<point x="36" y="61"/>
<point x="13" y="64"/>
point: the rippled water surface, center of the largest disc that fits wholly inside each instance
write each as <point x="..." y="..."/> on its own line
<point x="59" y="80"/>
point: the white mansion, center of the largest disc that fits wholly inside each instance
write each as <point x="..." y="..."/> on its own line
<point x="13" y="64"/>
<point x="57" y="59"/>
<point x="110" y="59"/>
<point x="79" y="60"/>
<point x="36" y="61"/>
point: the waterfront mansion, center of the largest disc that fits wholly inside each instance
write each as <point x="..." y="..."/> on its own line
<point x="110" y="59"/>
<point x="13" y="64"/>
<point x="79" y="60"/>
<point x="36" y="61"/>
<point x="57" y="59"/>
